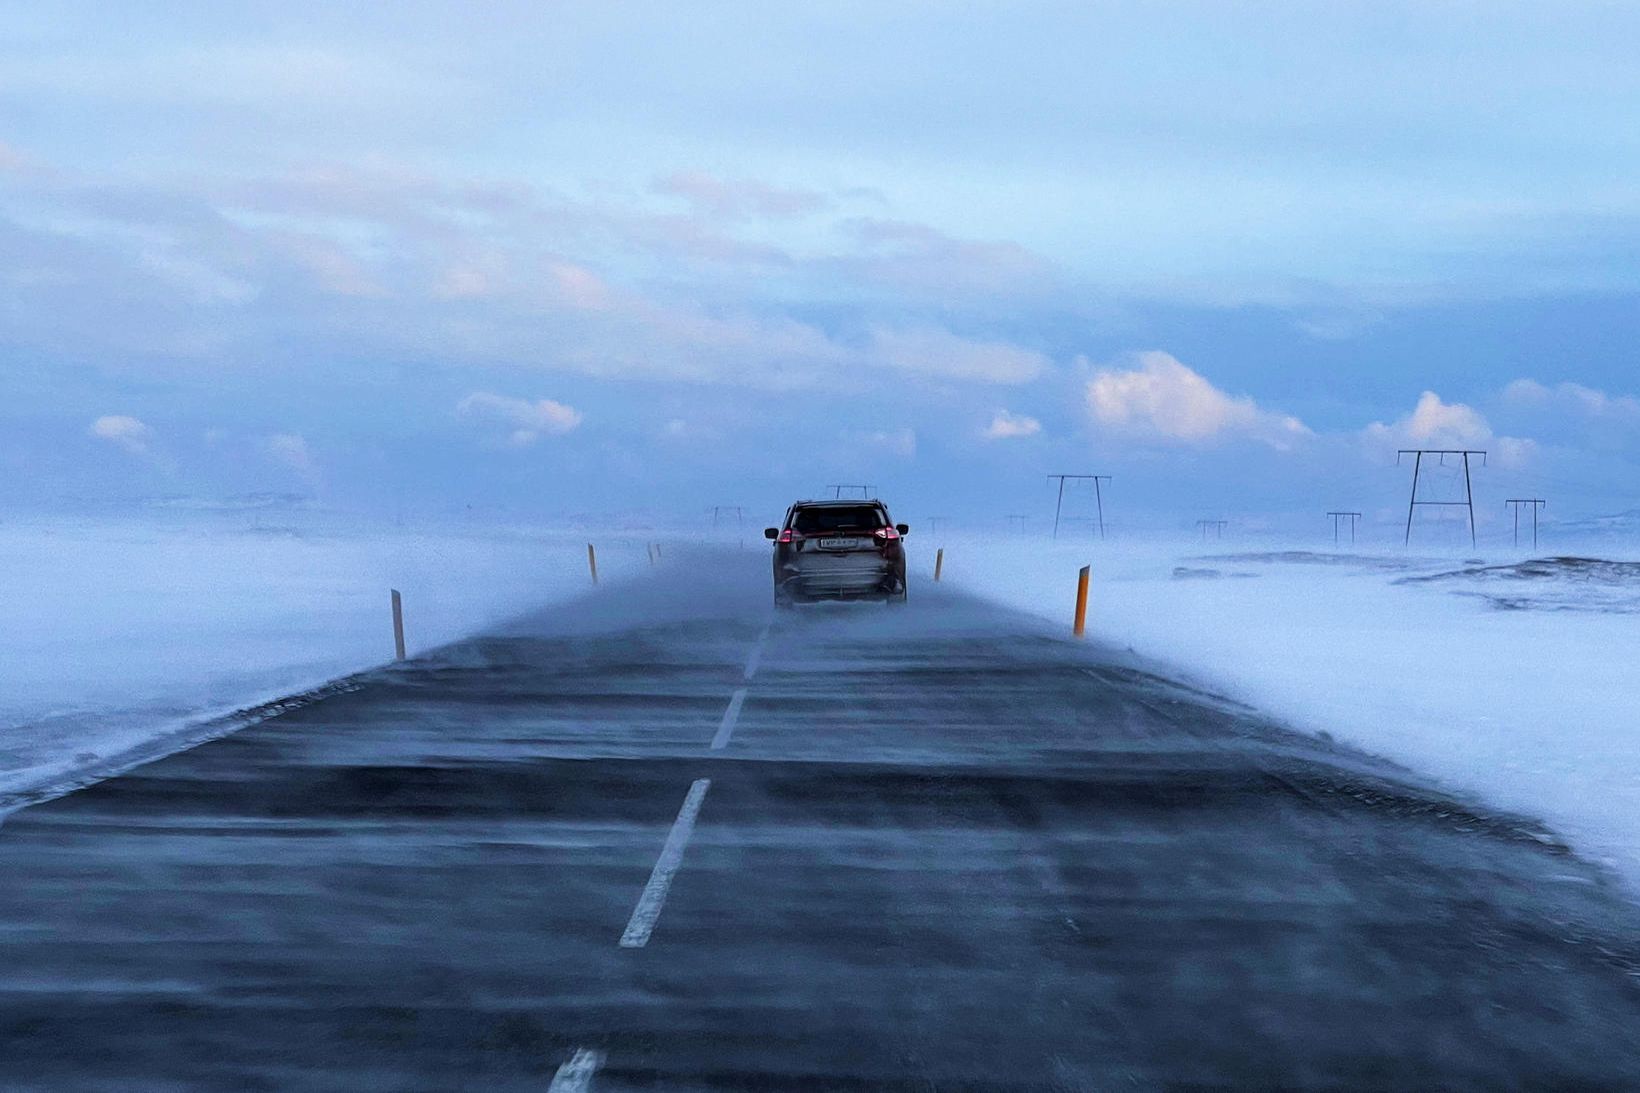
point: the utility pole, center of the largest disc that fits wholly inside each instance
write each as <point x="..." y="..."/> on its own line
<point x="1217" y="525"/>
<point x="1016" y="520"/>
<point x="1515" y="503"/>
<point x="1097" y="495"/>
<point x="1468" y="490"/>
<point x="1339" y="517"/>
<point x="719" y="510"/>
<point x="838" y="488"/>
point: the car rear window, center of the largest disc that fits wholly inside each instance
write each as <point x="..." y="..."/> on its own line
<point x="839" y="518"/>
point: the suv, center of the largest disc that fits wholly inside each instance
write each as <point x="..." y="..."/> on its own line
<point x="836" y="550"/>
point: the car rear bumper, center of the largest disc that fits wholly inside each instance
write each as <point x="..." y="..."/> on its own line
<point x="842" y="576"/>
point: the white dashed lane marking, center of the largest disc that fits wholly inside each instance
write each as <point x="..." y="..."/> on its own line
<point x="730" y="716"/>
<point x="575" y="1076"/>
<point x="648" y="910"/>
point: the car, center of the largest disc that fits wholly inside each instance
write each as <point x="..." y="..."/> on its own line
<point x="838" y="550"/>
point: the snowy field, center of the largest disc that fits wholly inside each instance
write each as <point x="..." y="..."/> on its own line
<point x="1514" y="681"/>
<point x="116" y="634"/>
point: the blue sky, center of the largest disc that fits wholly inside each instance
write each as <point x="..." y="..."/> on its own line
<point x="578" y="257"/>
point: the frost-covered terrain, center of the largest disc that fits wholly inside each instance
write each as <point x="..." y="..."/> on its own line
<point x="115" y="634"/>
<point x="1512" y="679"/>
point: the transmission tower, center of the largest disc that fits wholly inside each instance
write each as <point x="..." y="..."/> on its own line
<point x="1340" y="517"/>
<point x="719" y="510"/>
<point x="1218" y="527"/>
<point x="1098" y="497"/>
<point x="837" y="489"/>
<point x="1515" y="503"/>
<point x="1016" y="520"/>
<point x="1468" y="490"/>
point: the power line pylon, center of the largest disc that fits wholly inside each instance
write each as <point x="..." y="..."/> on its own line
<point x="1338" y="517"/>
<point x="1468" y="490"/>
<point x="1016" y="520"/>
<point x="934" y="523"/>
<point x="1217" y="525"/>
<point x="1515" y="503"/>
<point x="1098" y="497"/>
<point x="837" y="489"/>
<point x="719" y="510"/>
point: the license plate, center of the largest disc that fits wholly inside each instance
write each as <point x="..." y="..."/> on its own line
<point x="842" y="544"/>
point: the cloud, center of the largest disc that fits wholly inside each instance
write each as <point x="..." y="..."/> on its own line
<point x="922" y="262"/>
<point x="936" y="352"/>
<point x="291" y="450"/>
<point x="1574" y="399"/>
<point x="680" y="430"/>
<point x="525" y="421"/>
<point x="901" y="442"/>
<point x="1165" y="400"/>
<point x="1006" y="426"/>
<point x="124" y="432"/>
<point x="1433" y="423"/>
<point x="739" y="199"/>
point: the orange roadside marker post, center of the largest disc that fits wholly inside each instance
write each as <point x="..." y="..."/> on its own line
<point x="1082" y="601"/>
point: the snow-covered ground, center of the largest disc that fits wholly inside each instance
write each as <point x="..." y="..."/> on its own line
<point x="115" y="633"/>
<point x="1517" y="684"/>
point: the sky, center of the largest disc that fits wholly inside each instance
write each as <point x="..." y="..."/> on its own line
<point x="553" y="258"/>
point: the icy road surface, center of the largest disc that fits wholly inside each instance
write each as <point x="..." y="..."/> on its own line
<point x="657" y="839"/>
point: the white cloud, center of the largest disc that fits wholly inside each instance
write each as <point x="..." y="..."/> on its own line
<point x="124" y="432"/>
<point x="901" y="442"/>
<point x="1433" y="423"/>
<point x="291" y="449"/>
<point x="680" y="430"/>
<point x="936" y="352"/>
<point x="1573" y="398"/>
<point x="1006" y="426"/>
<point x="525" y="421"/>
<point x="739" y="198"/>
<point x="1164" y="399"/>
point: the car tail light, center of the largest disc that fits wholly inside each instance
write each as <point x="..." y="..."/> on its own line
<point x="790" y="536"/>
<point x="887" y="534"/>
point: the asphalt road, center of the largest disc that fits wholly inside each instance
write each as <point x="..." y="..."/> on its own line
<point x="662" y="839"/>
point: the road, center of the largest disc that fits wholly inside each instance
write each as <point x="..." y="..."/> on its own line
<point x="662" y="839"/>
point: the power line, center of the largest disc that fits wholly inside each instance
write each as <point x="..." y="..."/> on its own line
<point x="1097" y="496"/>
<point x="1468" y="490"/>
<point x="1515" y="503"/>
<point x="1338" y="517"/>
